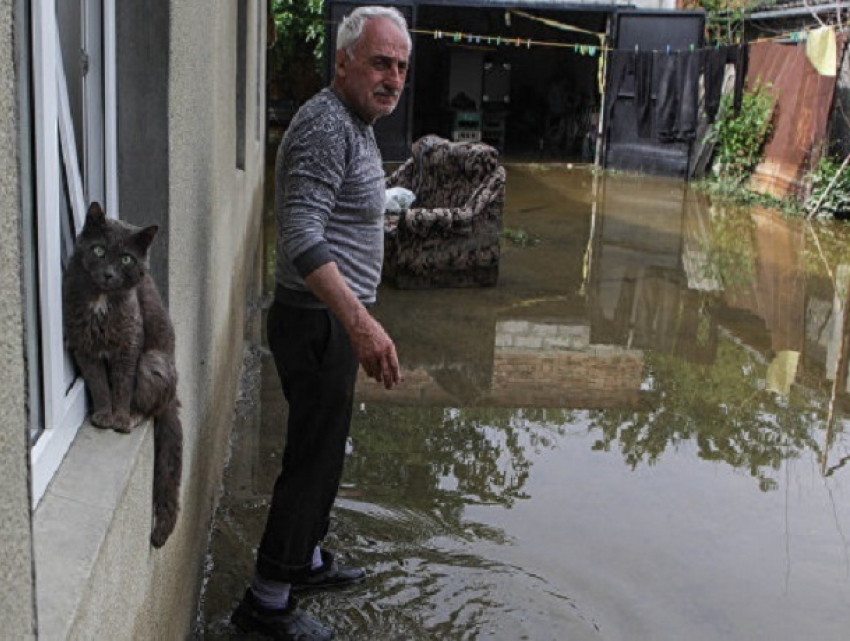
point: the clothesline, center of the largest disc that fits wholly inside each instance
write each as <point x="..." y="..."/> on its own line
<point x="484" y="40"/>
<point x="580" y="48"/>
<point x="462" y="37"/>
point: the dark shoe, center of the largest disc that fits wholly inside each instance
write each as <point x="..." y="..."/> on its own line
<point x="290" y="623"/>
<point x="329" y="575"/>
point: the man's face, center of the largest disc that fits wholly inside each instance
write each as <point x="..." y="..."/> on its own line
<point x="371" y="81"/>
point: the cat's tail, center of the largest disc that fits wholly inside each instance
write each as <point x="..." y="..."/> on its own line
<point x="167" y="471"/>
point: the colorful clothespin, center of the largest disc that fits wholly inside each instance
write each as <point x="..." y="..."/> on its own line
<point x="591" y="50"/>
<point x="528" y="44"/>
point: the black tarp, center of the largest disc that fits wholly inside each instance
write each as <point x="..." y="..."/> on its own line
<point x="662" y="144"/>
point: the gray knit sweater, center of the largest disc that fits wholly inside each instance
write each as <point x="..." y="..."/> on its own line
<point x="329" y="201"/>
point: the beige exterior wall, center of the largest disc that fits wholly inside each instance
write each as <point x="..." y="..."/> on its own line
<point x="16" y="571"/>
<point x="80" y="565"/>
<point x="216" y="211"/>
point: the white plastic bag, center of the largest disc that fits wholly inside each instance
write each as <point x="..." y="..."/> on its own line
<point x="398" y="199"/>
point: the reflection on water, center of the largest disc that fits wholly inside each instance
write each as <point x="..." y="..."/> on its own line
<point x="638" y="434"/>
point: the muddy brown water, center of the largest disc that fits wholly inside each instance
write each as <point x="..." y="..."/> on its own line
<point x="639" y="433"/>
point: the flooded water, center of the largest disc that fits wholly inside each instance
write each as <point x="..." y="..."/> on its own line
<point x="640" y="433"/>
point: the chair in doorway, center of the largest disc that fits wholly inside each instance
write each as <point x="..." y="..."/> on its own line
<point x="450" y="236"/>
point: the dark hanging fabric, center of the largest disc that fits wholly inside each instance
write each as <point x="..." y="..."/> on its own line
<point x="619" y="64"/>
<point x="742" y="61"/>
<point x="715" y="68"/>
<point x="643" y="93"/>
<point x="667" y="96"/>
<point x="688" y="113"/>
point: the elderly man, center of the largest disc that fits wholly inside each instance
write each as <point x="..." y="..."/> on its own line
<point x="329" y="204"/>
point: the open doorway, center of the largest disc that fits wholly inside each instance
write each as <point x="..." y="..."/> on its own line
<point x="527" y="86"/>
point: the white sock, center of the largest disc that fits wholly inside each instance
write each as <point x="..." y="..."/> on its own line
<point x="317" y="558"/>
<point x="270" y="594"/>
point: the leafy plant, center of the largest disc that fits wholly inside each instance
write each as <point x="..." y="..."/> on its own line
<point x="298" y="22"/>
<point x="741" y="137"/>
<point x="835" y="201"/>
<point x="519" y="237"/>
<point x="297" y="51"/>
<point x="724" y="19"/>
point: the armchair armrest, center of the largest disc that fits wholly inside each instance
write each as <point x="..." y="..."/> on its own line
<point x="402" y="176"/>
<point x="490" y="193"/>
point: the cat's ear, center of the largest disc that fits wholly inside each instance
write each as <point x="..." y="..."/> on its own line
<point x="95" y="215"/>
<point x="145" y="237"/>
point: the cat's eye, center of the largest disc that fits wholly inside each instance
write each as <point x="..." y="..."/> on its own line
<point x="126" y="259"/>
<point x="98" y="251"/>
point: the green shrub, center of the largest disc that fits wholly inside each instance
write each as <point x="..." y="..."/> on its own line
<point x="299" y="26"/>
<point x="296" y="55"/>
<point x="740" y="138"/>
<point x="836" y="201"/>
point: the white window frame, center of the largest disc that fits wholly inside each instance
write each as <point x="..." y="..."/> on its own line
<point x="64" y="398"/>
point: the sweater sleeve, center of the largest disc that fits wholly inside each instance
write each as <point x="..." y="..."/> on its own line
<point x="310" y="172"/>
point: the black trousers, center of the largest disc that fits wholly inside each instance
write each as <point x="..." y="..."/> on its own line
<point x="317" y="369"/>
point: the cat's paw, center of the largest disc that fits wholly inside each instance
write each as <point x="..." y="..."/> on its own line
<point x="124" y="422"/>
<point x="103" y="419"/>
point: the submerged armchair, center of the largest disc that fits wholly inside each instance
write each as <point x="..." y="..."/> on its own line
<point x="450" y="237"/>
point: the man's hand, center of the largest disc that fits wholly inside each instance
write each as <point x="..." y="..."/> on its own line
<point x="374" y="348"/>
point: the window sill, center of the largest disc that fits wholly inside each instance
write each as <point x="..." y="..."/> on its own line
<point x="73" y="520"/>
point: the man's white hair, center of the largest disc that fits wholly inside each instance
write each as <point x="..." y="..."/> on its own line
<point x="352" y="25"/>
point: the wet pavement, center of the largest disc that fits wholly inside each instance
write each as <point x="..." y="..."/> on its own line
<point x="640" y="433"/>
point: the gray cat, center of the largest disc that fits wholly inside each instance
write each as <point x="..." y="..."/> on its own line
<point x="122" y="339"/>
